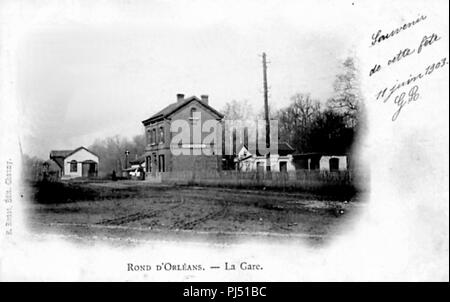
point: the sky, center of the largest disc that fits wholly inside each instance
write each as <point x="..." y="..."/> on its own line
<point x="89" y="70"/>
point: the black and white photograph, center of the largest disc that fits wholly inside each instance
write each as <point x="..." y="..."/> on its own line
<point x="224" y="141"/>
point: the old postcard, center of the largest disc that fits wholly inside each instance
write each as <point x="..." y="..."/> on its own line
<point x="224" y="140"/>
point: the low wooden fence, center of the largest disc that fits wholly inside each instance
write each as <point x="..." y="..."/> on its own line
<point x="303" y="179"/>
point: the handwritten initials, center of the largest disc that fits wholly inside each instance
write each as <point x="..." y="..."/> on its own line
<point x="400" y="100"/>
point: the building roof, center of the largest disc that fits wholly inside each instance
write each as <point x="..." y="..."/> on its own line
<point x="242" y="145"/>
<point x="89" y="161"/>
<point x="52" y="165"/>
<point x="284" y="148"/>
<point x="138" y="160"/>
<point x="171" y="108"/>
<point x="130" y="169"/>
<point x="59" y="155"/>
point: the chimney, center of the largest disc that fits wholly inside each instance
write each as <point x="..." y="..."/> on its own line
<point x="180" y="97"/>
<point x="204" y="98"/>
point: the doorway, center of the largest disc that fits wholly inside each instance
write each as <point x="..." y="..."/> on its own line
<point x="334" y="164"/>
<point x="89" y="169"/>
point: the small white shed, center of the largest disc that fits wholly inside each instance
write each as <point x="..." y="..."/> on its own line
<point x="76" y="163"/>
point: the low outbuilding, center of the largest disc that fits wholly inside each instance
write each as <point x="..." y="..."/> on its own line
<point x="80" y="162"/>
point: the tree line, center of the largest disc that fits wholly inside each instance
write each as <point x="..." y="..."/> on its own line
<point x="311" y="125"/>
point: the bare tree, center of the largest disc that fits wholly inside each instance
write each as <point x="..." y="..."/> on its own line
<point x="111" y="151"/>
<point x="32" y="168"/>
<point x="347" y="93"/>
<point x="238" y="110"/>
<point x="304" y="108"/>
<point x="296" y="120"/>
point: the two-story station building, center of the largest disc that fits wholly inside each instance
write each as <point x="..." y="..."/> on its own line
<point x="158" y="155"/>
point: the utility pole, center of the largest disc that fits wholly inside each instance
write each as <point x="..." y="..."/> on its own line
<point x="266" y="110"/>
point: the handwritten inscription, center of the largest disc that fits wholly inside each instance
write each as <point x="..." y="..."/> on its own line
<point x="387" y="93"/>
<point x="379" y="36"/>
<point x="406" y="52"/>
<point x="406" y="91"/>
<point x="428" y="40"/>
<point x="402" y="54"/>
<point x="401" y="100"/>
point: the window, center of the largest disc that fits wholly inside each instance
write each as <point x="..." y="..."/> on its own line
<point x="149" y="137"/>
<point x="193" y="136"/>
<point x="194" y="116"/>
<point x="154" y="136"/>
<point x="161" y="134"/>
<point x="73" y="166"/>
<point x="148" y="164"/>
<point x="193" y="111"/>
<point x="161" y="164"/>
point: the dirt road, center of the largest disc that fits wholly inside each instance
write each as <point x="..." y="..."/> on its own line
<point x="137" y="210"/>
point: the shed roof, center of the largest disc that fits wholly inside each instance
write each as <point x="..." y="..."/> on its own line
<point x="138" y="160"/>
<point x="60" y="153"/>
<point x="52" y="165"/>
<point x="284" y="148"/>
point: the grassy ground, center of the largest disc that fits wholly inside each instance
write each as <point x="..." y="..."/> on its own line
<point x="128" y="209"/>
